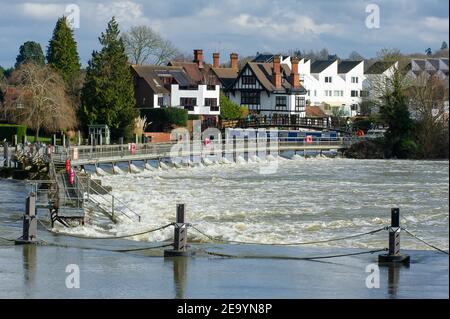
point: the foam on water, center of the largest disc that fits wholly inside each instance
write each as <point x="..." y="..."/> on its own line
<point x="99" y="171"/>
<point x="304" y="200"/>
<point x="134" y="169"/>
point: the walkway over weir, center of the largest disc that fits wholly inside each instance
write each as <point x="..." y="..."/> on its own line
<point x="84" y="155"/>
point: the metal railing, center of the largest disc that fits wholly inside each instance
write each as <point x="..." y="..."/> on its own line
<point x="161" y="150"/>
<point x="109" y="203"/>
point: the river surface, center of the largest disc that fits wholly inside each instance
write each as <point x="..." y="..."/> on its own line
<point x="301" y="200"/>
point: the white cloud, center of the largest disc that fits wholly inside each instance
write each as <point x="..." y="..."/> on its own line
<point x="42" y="11"/>
<point x="127" y="13"/>
<point x="283" y="25"/>
<point x="437" y="24"/>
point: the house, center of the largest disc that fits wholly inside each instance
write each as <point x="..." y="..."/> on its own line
<point x="423" y="69"/>
<point x="265" y="88"/>
<point x="376" y="74"/>
<point x="226" y="76"/>
<point x="334" y="85"/>
<point x="188" y="85"/>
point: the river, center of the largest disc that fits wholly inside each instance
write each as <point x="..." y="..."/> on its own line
<point x="303" y="200"/>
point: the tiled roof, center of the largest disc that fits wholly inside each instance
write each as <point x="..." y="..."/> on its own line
<point x="226" y="75"/>
<point x="320" y="65"/>
<point x="203" y="75"/>
<point x="347" y="66"/>
<point x="379" y="67"/>
<point x="152" y="75"/>
<point x="263" y="72"/>
<point x="314" y="111"/>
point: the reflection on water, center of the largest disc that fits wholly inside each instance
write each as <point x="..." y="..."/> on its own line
<point x="179" y="275"/>
<point x="29" y="266"/>
<point x="393" y="279"/>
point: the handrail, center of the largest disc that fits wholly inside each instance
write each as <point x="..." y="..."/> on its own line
<point x="115" y="200"/>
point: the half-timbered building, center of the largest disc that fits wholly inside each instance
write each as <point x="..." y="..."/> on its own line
<point x="268" y="88"/>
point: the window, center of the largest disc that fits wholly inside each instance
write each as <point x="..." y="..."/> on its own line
<point x="299" y="103"/>
<point x="328" y="92"/>
<point x="309" y="93"/>
<point x="338" y="93"/>
<point x="248" y="97"/>
<point x="280" y="102"/>
<point x="354" y="93"/>
<point x="211" y="87"/>
<point x="188" y="103"/>
<point x="354" y="107"/>
<point x="355" y="79"/>
<point x="160" y="101"/>
<point x="328" y="79"/>
<point x="315" y="92"/>
<point x="212" y="103"/>
<point x="188" y="87"/>
<point x="248" y="80"/>
<point x="364" y="93"/>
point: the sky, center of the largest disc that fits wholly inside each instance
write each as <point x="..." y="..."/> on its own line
<point x="245" y="27"/>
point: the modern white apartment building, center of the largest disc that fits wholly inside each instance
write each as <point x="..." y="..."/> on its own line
<point x="335" y="86"/>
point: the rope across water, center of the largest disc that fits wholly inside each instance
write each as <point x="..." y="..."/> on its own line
<point x="288" y="244"/>
<point x="107" y="237"/>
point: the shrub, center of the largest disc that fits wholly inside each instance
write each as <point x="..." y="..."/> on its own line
<point x="163" y="120"/>
<point x="228" y="109"/>
<point x="7" y="131"/>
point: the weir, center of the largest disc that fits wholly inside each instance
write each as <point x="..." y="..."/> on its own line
<point x="110" y="154"/>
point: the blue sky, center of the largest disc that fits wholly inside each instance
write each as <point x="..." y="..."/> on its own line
<point x="238" y="26"/>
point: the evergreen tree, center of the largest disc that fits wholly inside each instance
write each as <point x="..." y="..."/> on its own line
<point x="62" y="51"/>
<point x="30" y="51"/>
<point x="108" y="93"/>
<point x="394" y="111"/>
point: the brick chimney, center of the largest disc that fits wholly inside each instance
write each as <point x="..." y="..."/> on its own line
<point x="234" y="61"/>
<point x="198" y="57"/>
<point x="294" y="78"/>
<point x="276" y="73"/>
<point x="216" y="60"/>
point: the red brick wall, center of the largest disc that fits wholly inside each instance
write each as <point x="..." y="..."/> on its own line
<point x="158" y="137"/>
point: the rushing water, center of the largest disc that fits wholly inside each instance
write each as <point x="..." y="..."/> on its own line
<point x="304" y="200"/>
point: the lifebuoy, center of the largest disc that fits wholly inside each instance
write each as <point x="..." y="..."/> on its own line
<point x="133" y="148"/>
<point x="308" y="139"/>
<point x="360" y="133"/>
<point x="71" y="176"/>
<point x="67" y="165"/>
<point x="206" y="142"/>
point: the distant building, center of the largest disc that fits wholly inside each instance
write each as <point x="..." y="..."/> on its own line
<point x="188" y="85"/>
<point x="424" y="68"/>
<point x="265" y="88"/>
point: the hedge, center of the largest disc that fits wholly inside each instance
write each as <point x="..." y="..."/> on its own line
<point x="163" y="120"/>
<point x="7" y="131"/>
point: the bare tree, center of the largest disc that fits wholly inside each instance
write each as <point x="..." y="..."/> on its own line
<point x="355" y="56"/>
<point x="40" y="100"/>
<point x="144" y="45"/>
<point x="427" y="103"/>
<point x="165" y="51"/>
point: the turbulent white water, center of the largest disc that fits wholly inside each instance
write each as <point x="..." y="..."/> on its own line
<point x="305" y="200"/>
